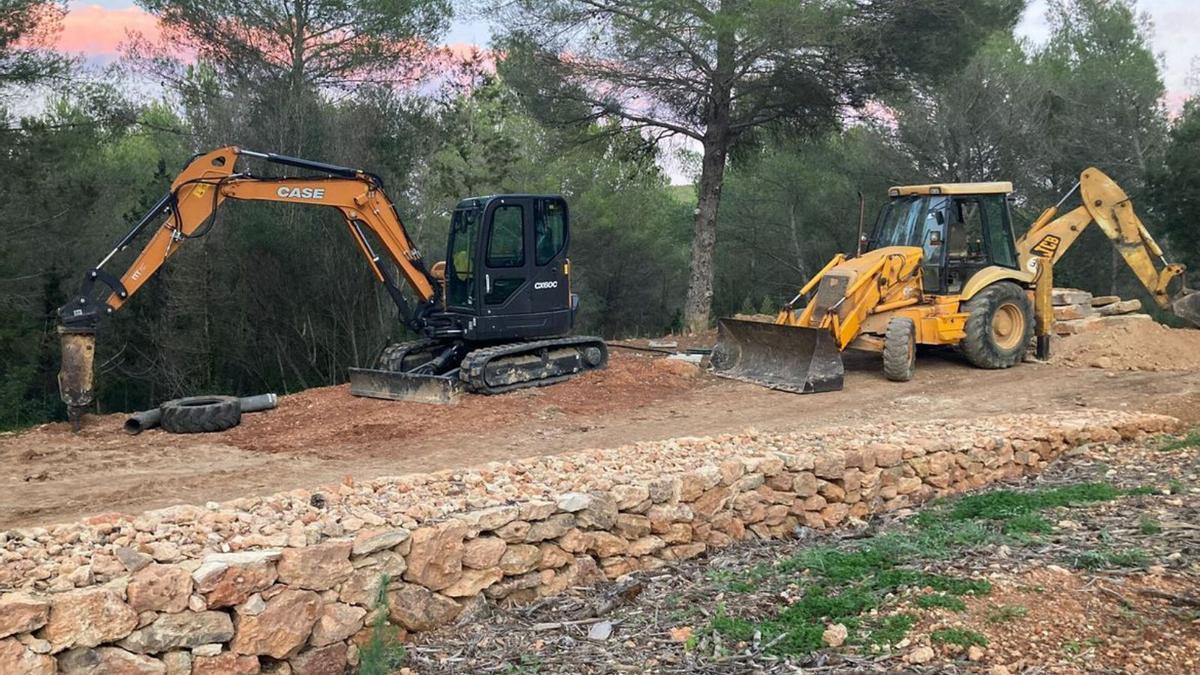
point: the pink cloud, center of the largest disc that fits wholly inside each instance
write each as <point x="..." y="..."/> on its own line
<point x="99" y="31"/>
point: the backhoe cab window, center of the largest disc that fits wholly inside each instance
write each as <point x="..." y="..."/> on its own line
<point x="897" y="225"/>
<point x="460" y="274"/>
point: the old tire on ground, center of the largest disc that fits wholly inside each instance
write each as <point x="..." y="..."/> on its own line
<point x="999" y="326"/>
<point x="900" y="349"/>
<point x="200" y="414"/>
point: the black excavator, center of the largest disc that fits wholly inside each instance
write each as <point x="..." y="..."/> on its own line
<point x="495" y="316"/>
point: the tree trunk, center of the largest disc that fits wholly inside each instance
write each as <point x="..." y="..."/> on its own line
<point x="698" y="309"/>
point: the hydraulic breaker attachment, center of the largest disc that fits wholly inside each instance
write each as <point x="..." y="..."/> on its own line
<point x="789" y="358"/>
<point x="75" y="374"/>
<point x="397" y="386"/>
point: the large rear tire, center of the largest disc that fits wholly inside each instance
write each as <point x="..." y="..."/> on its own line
<point x="200" y="414"/>
<point x="999" y="326"/>
<point x="900" y="349"/>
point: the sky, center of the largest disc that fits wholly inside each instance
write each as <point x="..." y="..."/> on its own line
<point x="96" y="28"/>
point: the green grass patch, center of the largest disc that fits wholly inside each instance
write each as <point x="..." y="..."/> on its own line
<point x="1191" y="440"/>
<point x="941" y="601"/>
<point x="958" y="636"/>
<point x="850" y="585"/>
<point x="1008" y="504"/>
<point x="1148" y="525"/>
<point x="1006" y="613"/>
<point x="1098" y="560"/>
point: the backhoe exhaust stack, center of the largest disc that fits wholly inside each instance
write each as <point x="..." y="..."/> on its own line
<point x="75" y="376"/>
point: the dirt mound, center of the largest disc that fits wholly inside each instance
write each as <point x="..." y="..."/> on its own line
<point x="1134" y="342"/>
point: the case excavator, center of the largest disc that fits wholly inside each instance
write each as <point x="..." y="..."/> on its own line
<point x="494" y="316"/>
<point x="942" y="268"/>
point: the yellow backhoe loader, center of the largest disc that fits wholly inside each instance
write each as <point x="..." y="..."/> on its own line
<point x="495" y="316"/>
<point x="942" y="268"/>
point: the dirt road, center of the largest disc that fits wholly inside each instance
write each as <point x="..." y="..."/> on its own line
<point x="320" y="436"/>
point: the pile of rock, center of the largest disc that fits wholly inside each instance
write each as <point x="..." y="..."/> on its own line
<point x="508" y="533"/>
<point x="1077" y="311"/>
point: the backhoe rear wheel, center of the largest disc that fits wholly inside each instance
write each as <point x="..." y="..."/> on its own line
<point x="999" y="326"/>
<point x="900" y="349"/>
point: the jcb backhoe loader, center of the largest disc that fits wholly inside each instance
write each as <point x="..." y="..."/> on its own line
<point x="493" y="317"/>
<point x="941" y="268"/>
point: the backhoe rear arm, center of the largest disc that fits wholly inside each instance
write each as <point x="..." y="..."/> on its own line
<point x="1106" y="204"/>
<point x="211" y="178"/>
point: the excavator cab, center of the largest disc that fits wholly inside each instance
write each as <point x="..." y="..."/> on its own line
<point x="507" y="272"/>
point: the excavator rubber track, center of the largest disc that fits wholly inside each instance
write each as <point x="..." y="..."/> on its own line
<point x="516" y="365"/>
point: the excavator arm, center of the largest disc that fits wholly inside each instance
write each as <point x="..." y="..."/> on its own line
<point x="1107" y="205"/>
<point x="189" y="210"/>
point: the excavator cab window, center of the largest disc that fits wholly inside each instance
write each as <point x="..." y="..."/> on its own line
<point x="460" y="264"/>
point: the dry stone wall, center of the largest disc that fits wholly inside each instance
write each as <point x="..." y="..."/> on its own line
<point x="288" y="583"/>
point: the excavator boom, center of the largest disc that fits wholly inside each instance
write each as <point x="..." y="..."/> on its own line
<point x="189" y="211"/>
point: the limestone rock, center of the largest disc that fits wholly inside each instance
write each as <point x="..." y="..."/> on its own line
<point x="108" y="661"/>
<point x="21" y="613"/>
<point x="226" y="663"/>
<point x="159" y="588"/>
<point x="17" y="658"/>
<point x="133" y="560"/>
<point x="435" y="560"/>
<point x="328" y="660"/>
<point x="473" y="581"/>
<point x="370" y="541"/>
<point x="336" y="622"/>
<point x="574" y="501"/>
<point x="520" y="558"/>
<point x="227" y="579"/>
<point x="922" y="654"/>
<point x="551" y="528"/>
<point x="175" y="631"/>
<point x="177" y="663"/>
<point x="282" y="628"/>
<point x="86" y="618"/>
<point x="483" y="552"/>
<point x="419" y="609"/>
<point x="316" y="568"/>
<point x="491" y="518"/>
<point x="835" y="635"/>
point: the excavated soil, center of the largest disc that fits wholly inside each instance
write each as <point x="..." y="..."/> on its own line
<point x="1133" y="342"/>
<point x="323" y="435"/>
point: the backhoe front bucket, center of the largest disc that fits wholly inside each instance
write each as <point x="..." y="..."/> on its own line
<point x="800" y="360"/>
<point x="396" y="386"/>
<point x="1187" y="307"/>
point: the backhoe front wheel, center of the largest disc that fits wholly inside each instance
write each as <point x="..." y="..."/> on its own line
<point x="900" y="349"/>
<point x="999" y="326"/>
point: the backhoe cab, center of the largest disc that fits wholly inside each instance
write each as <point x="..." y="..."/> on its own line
<point x="941" y="267"/>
